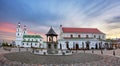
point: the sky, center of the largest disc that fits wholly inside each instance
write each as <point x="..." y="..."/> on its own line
<point x="40" y="15"/>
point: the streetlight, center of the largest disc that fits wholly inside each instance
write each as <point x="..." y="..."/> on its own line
<point x="114" y="51"/>
<point x="101" y="48"/>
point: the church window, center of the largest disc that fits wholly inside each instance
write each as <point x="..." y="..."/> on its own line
<point x="31" y="45"/>
<point x="71" y="36"/>
<point x="94" y="36"/>
<point x="18" y="34"/>
<point x="87" y="36"/>
<point x="99" y="37"/>
<point x="78" y="36"/>
<point x="102" y="36"/>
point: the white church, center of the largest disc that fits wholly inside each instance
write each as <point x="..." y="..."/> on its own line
<point x="23" y="39"/>
<point x="69" y="38"/>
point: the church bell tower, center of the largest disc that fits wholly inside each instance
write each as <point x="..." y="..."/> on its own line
<point x="25" y="30"/>
<point x="52" y="44"/>
<point x="19" y="35"/>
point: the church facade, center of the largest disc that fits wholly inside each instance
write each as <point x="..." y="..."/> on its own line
<point x="69" y="38"/>
<point x="23" y="39"/>
<point x="81" y="38"/>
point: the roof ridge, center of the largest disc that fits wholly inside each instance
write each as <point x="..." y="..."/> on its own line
<point x="79" y="27"/>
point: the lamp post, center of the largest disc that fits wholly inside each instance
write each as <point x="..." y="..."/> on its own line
<point x="19" y="48"/>
<point x="92" y="50"/>
<point x="27" y="49"/>
<point x="83" y="47"/>
<point x="101" y="48"/>
<point x="114" y="52"/>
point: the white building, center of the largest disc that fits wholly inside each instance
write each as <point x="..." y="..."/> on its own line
<point x="25" y="40"/>
<point x="81" y="38"/>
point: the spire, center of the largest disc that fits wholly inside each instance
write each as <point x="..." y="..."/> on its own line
<point x="24" y="27"/>
<point x="18" y="24"/>
<point x="51" y="32"/>
<point x="25" y="30"/>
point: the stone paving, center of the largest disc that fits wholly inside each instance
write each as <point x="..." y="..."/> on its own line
<point x="50" y="59"/>
<point x="108" y="59"/>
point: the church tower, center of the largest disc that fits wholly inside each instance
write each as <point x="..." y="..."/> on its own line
<point x="25" y="30"/>
<point x="52" y="43"/>
<point x="61" y="32"/>
<point x="19" y="35"/>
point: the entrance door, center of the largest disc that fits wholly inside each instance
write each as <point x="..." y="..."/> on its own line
<point x="60" y="46"/>
<point x="87" y="45"/>
<point x="82" y="45"/>
<point x="77" y="47"/>
<point x="96" y="46"/>
<point x="67" y="45"/>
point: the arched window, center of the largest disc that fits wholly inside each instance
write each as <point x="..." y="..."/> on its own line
<point x="94" y="36"/>
<point x="78" y="36"/>
<point x="103" y="37"/>
<point x="67" y="44"/>
<point x="87" y="36"/>
<point x="23" y="43"/>
<point x="71" y="36"/>
<point x="99" y="37"/>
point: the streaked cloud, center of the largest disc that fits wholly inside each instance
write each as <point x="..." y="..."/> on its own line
<point x="39" y="15"/>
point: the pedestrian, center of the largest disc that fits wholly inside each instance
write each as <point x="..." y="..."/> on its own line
<point x="19" y="49"/>
<point x="114" y="52"/>
<point x="101" y="52"/>
<point x="92" y="51"/>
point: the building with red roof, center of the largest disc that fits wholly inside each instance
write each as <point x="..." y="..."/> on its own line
<point x="81" y="38"/>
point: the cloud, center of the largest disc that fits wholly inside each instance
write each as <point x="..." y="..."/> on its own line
<point x="95" y="15"/>
<point x="7" y="27"/>
<point x="40" y="15"/>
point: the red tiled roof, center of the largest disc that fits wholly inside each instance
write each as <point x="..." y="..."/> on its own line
<point x="81" y="30"/>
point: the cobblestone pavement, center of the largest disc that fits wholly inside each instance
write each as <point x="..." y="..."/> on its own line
<point x="108" y="59"/>
<point x="50" y="59"/>
<point x="105" y="52"/>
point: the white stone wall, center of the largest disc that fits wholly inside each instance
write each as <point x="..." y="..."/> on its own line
<point x="72" y="43"/>
<point x="83" y="35"/>
<point x="31" y="42"/>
